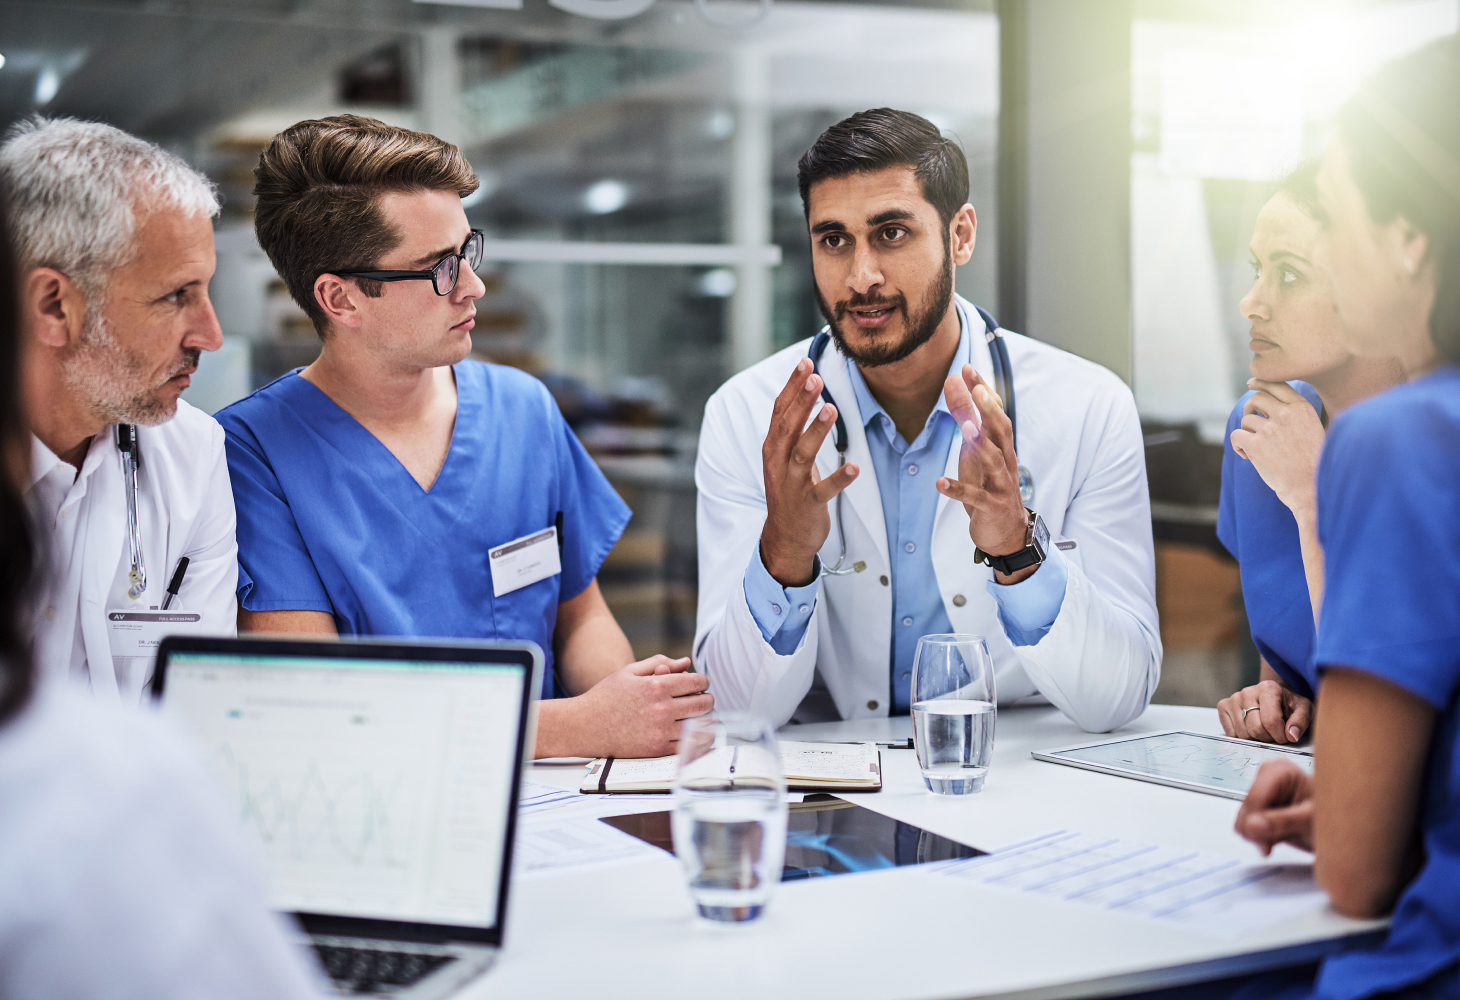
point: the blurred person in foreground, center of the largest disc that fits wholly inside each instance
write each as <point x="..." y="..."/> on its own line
<point x="1303" y="376"/>
<point x="395" y="487"/>
<point x="114" y="239"/>
<point x="121" y="874"/>
<point x="1382" y="810"/>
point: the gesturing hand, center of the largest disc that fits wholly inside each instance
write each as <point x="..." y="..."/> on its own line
<point x="636" y="710"/>
<point x="988" y="470"/>
<point x="1278" y="808"/>
<point x="1282" y="437"/>
<point x="797" y="520"/>
<point x="1266" y="711"/>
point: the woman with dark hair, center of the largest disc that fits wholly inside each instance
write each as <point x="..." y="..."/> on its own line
<point x="120" y="874"/>
<point x="1268" y="516"/>
<point x="1382" y="812"/>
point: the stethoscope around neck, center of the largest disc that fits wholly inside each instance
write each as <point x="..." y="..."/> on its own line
<point x="1003" y="384"/>
<point x="131" y="462"/>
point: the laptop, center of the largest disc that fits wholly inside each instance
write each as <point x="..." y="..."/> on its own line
<point x="380" y="780"/>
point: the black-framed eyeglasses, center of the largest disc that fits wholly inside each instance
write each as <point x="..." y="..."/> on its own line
<point x="442" y="276"/>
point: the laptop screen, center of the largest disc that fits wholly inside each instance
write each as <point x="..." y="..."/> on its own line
<point x="376" y="788"/>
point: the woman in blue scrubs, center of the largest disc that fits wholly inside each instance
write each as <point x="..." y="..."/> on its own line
<point x="1383" y="810"/>
<point x="394" y="488"/>
<point x="1267" y="518"/>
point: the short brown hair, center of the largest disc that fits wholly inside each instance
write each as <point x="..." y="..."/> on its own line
<point x="318" y="185"/>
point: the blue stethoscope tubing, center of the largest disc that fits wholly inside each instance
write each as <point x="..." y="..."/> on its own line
<point x="1003" y="384"/>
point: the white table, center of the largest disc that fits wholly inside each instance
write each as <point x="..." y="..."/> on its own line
<point x="630" y="932"/>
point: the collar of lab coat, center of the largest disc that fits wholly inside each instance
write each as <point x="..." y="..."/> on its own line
<point x="863" y="495"/>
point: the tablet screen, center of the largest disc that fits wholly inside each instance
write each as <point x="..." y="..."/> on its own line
<point x="1218" y="763"/>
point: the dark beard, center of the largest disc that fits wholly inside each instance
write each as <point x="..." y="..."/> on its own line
<point x="920" y="329"/>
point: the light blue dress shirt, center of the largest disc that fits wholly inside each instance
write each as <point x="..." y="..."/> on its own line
<point x="906" y="474"/>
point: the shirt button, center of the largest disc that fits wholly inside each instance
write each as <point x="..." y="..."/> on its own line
<point x="51" y="614"/>
<point x="775" y="609"/>
<point x="872" y="704"/>
<point x="805" y="608"/>
<point x="882" y="580"/>
<point x="910" y="547"/>
<point x="959" y="600"/>
<point x="907" y="621"/>
<point x="912" y="470"/>
<point x="66" y="512"/>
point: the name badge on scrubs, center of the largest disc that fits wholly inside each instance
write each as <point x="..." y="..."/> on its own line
<point x="138" y="633"/>
<point x="524" y="560"/>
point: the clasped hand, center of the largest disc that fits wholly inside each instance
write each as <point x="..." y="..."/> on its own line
<point x="988" y="470"/>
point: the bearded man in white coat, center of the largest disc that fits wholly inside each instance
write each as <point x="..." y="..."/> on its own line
<point x="819" y="569"/>
<point x="114" y="237"/>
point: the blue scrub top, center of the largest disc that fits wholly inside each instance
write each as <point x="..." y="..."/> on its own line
<point x="1388" y="510"/>
<point x="329" y="520"/>
<point x="1262" y="535"/>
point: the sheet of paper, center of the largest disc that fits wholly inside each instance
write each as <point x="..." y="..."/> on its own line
<point x="550" y="847"/>
<point x="1207" y="893"/>
<point x="839" y="762"/>
<point x="539" y="795"/>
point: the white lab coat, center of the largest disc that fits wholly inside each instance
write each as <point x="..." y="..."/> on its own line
<point x="1080" y="437"/>
<point x="184" y="508"/>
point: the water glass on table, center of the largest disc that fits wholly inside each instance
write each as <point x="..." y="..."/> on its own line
<point x="953" y="712"/>
<point x="730" y="814"/>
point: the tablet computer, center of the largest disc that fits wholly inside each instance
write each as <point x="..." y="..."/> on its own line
<point x="1216" y="765"/>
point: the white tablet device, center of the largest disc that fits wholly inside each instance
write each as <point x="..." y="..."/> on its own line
<point x="1216" y="765"/>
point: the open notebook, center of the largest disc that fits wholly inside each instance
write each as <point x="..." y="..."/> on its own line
<point x="809" y="767"/>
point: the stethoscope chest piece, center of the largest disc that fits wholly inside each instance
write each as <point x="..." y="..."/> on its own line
<point x="1026" y="486"/>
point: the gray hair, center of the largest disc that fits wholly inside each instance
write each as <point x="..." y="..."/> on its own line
<point x="74" y="188"/>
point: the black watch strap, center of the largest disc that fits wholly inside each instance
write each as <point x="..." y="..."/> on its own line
<point x="1031" y="554"/>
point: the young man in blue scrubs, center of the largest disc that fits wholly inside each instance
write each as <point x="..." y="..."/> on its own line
<point x="394" y="488"/>
<point x="1382" y="812"/>
<point x="1268" y="516"/>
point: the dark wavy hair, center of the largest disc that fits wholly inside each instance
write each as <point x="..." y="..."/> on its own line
<point x="17" y="544"/>
<point x="874" y="140"/>
<point x="1402" y="134"/>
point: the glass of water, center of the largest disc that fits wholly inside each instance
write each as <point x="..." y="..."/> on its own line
<point x="730" y="814"/>
<point x="953" y="712"/>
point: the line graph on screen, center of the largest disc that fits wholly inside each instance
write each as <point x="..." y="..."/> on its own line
<point x="309" y="813"/>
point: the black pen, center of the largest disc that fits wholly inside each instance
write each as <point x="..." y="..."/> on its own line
<point x="177" y="578"/>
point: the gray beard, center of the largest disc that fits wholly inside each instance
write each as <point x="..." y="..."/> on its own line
<point x="113" y="381"/>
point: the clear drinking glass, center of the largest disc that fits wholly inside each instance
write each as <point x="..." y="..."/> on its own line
<point x="953" y="712"/>
<point x="730" y="814"/>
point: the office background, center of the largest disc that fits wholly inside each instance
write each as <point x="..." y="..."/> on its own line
<point x="638" y="162"/>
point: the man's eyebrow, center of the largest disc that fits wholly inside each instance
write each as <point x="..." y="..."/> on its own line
<point x="432" y="258"/>
<point x="829" y="226"/>
<point x="891" y="215"/>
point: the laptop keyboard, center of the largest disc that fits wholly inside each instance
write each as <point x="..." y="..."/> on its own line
<point x="375" y="970"/>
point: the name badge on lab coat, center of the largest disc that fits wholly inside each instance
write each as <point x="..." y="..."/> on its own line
<point x="524" y="560"/>
<point x="138" y="633"/>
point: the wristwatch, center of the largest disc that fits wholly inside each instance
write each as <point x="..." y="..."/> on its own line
<point x="1036" y="543"/>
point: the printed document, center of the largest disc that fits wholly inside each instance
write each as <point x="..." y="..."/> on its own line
<point x="1206" y="893"/>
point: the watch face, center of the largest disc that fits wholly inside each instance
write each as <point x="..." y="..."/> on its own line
<point x="1041" y="534"/>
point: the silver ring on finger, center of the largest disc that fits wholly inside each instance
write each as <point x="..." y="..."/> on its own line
<point x="1246" y="710"/>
